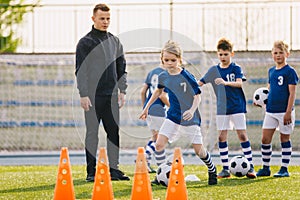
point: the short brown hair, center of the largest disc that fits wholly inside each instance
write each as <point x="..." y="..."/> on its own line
<point x="101" y="6"/>
<point x="225" y="44"/>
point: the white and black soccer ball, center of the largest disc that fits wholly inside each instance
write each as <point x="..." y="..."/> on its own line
<point x="260" y="96"/>
<point x="239" y="166"/>
<point x="163" y="173"/>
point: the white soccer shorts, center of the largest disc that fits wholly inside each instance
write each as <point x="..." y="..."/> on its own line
<point x="228" y="122"/>
<point x="275" y="120"/>
<point x="154" y="123"/>
<point x="174" y="131"/>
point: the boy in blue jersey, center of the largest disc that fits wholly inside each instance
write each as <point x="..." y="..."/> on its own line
<point x="183" y="115"/>
<point x="156" y="115"/>
<point x="227" y="80"/>
<point x="280" y="110"/>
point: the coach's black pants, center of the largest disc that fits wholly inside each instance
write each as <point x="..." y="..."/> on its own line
<point x="105" y="109"/>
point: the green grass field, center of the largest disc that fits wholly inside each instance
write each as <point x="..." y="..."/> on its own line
<point x="38" y="182"/>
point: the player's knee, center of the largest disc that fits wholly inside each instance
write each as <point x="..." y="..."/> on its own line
<point x="159" y="147"/>
<point x="243" y="137"/>
<point x="222" y="138"/>
<point x="154" y="135"/>
<point x="265" y="141"/>
<point x="202" y="152"/>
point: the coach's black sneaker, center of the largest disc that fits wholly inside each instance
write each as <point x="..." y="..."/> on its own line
<point x="118" y="175"/>
<point x="212" y="178"/>
<point x="90" y="178"/>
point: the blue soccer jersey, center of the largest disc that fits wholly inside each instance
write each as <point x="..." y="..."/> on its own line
<point x="279" y="80"/>
<point x="230" y="100"/>
<point x="158" y="107"/>
<point x="181" y="89"/>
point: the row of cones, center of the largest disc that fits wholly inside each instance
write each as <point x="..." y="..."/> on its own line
<point x="141" y="188"/>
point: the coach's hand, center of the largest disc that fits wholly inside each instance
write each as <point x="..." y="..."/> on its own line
<point x="85" y="103"/>
<point x="188" y="115"/>
<point x="121" y="100"/>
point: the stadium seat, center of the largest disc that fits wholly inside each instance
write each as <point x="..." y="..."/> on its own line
<point x="8" y="124"/>
<point x="254" y="122"/>
<point x="30" y="124"/>
<point x="258" y="81"/>
<point x="23" y="82"/>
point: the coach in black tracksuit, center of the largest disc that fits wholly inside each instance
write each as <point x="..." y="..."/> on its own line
<point x="101" y="81"/>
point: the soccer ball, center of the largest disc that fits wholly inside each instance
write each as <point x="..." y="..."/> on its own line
<point x="260" y="96"/>
<point x="163" y="173"/>
<point x="239" y="166"/>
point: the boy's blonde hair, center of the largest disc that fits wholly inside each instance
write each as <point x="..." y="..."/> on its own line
<point x="225" y="44"/>
<point x="173" y="48"/>
<point x="282" y="45"/>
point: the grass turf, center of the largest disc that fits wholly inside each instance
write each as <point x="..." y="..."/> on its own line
<point x="38" y="182"/>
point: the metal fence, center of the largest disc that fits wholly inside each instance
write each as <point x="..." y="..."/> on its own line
<point x="40" y="108"/>
<point x="251" y="25"/>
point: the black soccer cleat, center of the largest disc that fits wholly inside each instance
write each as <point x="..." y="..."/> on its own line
<point x="118" y="175"/>
<point x="212" y="178"/>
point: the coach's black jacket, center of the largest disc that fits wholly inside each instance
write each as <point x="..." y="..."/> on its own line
<point x="100" y="65"/>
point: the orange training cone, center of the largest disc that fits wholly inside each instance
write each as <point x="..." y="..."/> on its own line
<point x="64" y="189"/>
<point x="141" y="188"/>
<point x="102" y="185"/>
<point x="177" y="187"/>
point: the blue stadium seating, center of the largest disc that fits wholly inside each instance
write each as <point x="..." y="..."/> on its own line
<point x="70" y="123"/>
<point x="258" y="81"/>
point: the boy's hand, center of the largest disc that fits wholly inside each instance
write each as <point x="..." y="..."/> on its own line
<point x="144" y="114"/>
<point x="219" y="81"/>
<point x="287" y="118"/>
<point x="256" y="104"/>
